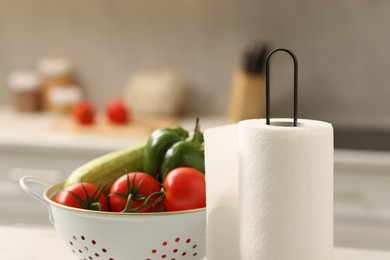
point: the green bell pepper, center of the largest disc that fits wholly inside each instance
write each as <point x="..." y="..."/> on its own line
<point x="157" y="145"/>
<point x="186" y="153"/>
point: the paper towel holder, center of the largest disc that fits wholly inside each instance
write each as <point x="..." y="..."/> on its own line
<point x="267" y="87"/>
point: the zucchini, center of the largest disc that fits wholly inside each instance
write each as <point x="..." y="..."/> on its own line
<point x="104" y="170"/>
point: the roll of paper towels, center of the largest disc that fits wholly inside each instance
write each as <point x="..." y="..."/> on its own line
<point x="284" y="189"/>
<point x="221" y="155"/>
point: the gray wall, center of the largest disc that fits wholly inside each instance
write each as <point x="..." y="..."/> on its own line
<point x="342" y="47"/>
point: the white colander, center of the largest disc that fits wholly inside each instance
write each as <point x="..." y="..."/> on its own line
<point x="124" y="236"/>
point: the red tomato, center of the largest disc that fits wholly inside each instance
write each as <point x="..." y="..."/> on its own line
<point x="117" y="112"/>
<point x="131" y="190"/>
<point x="82" y="195"/>
<point x="84" y="113"/>
<point x="185" y="188"/>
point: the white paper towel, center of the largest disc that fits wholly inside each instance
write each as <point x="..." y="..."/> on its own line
<point x="221" y="160"/>
<point x="285" y="191"/>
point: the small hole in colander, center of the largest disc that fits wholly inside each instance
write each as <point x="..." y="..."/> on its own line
<point x="82" y="247"/>
<point x="183" y="248"/>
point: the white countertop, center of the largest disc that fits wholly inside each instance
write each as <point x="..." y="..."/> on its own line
<point x="42" y="243"/>
<point x="36" y="130"/>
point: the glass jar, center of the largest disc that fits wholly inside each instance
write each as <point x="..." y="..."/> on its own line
<point x="56" y="72"/>
<point x="25" y="86"/>
<point x="62" y="99"/>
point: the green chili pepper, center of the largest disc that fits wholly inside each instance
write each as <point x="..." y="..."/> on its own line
<point x="157" y="145"/>
<point x="186" y="153"/>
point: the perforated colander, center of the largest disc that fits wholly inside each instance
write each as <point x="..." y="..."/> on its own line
<point x="125" y="236"/>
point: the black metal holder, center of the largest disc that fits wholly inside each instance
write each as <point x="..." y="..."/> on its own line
<point x="267" y="85"/>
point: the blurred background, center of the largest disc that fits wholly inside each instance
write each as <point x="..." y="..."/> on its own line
<point x="198" y="57"/>
<point x="342" y="49"/>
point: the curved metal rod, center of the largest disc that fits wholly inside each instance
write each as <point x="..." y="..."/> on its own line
<point x="267" y="85"/>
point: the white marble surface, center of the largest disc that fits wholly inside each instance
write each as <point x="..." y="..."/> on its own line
<point x="33" y="243"/>
<point x="42" y="243"/>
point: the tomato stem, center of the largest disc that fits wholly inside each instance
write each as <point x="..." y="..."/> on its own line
<point x="129" y="202"/>
<point x="97" y="205"/>
<point x="90" y="202"/>
<point x="145" y="203"/>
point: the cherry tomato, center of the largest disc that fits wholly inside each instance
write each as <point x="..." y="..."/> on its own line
<point x="82" y="195"/>
<point x="84" y="113"/>
<point x="117" y="112"/>
<point x="185" y="188"/>
<point x="129" y="192"/>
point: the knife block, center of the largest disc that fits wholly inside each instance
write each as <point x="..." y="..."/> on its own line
<point x="247" y="96"/>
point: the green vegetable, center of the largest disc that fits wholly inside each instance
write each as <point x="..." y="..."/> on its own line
<point x="186" y="153"/>
<point x="105" y="169"/>
<point x="157" y="146"/>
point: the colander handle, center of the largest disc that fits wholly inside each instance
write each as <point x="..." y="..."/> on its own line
<point x="24" y="184"/>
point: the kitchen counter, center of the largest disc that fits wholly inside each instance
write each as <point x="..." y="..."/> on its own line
<point x="40" y="130"/>
<point x="42" y="243"/>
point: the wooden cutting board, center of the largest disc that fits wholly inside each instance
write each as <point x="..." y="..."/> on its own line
<point x="139" y="126"/>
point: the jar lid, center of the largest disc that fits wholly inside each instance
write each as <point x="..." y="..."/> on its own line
<point x="65" y="95"/>
<point x="24" y="80"/>
<point x="51" y="67"/>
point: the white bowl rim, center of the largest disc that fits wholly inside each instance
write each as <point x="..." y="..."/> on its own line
<point x="59" y="185"/>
